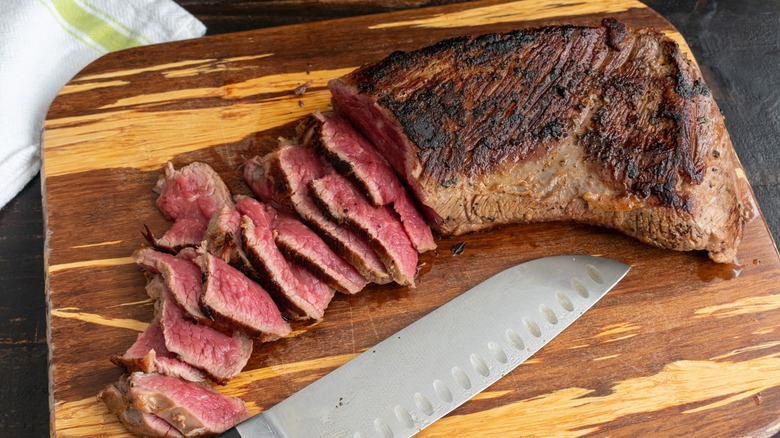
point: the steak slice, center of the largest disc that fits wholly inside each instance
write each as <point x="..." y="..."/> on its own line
<point x="223" y="239"/>
<point x="192" y="409"/>
<point x="297" y="299"/>
<point x="135" y="421"/>
<point x="180" y="274"/>
<point x="600" y="125"/>
<point x="341" y="200"/>
<point x="299" y="243"/>
<point x="354" y="157"/>
<point x="414" y="224"/>
<point x="283" y="176"/>
<point x="150" y="355"/>
<point x="234" y="301"/>
<point x="219" y="355"/>
<point x="189" y="197"/>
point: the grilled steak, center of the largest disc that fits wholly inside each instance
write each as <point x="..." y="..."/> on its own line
<point x="354" y="157"/>
<point x="150" y="355"/>
<point x="414" y="224"/>
<point x="135" y="421"/>
<point x="235" y="301"/>
<point x="299" y="243"/>
<point x="282" y="176"/>
<point x="223" y="239"/>
<point x="189" y="197"/>
<point x="191" y="409"/>
<point x="219" y="355"/>
<point x="601" y="125"/>
<point x="341" y="201"/>
<point x="181" y="275"/>
<point x="296" y="298"/>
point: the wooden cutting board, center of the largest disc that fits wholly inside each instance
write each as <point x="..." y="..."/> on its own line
<point x="682" y="346"/>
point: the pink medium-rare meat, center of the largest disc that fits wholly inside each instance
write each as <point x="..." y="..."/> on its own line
<point x="234" y="301"/>
<point x="344" y="203"/>
<point x="189" y="197"/>
<point x="150" y="355"/>
<point x="311" y="282"/>
<point x="601" y="125"/>
<point x="283" y="176"/>
<point x="192" y="409"/>
<point x="299" y="243"/>
<point x="219" y="355"/>
<point x="181" y="275"/>
<point x="296" y="298"/>
<point x="354" y="157"/>
<point x="415" y="226"/>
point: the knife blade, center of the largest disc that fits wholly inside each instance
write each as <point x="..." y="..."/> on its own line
<point x="418" y="375"/>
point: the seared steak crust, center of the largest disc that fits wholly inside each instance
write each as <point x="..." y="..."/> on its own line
<point x="602" y="125"/>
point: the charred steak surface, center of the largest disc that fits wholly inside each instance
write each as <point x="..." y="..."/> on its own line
<point x="602" y="125"/>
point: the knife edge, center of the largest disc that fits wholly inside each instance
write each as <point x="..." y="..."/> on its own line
<point x="446" y="357"/>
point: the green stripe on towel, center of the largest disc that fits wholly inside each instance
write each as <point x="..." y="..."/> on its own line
<point x="97" y="29"/>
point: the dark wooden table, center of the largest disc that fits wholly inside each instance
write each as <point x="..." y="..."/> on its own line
<point x="737" y="45"/>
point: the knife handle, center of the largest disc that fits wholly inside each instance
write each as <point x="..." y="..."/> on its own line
<point x="232" y="433"/>
<point x="254" y="427"/>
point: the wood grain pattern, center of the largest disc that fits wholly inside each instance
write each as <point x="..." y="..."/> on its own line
<point x="681" y="347"/>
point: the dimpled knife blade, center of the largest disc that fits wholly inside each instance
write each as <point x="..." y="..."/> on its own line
<point x="418" y="375"/>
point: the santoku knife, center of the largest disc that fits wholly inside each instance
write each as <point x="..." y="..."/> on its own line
<point x="418" y="375"/>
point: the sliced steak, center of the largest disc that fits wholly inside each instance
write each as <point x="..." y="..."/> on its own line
<point x="135" y="421"/>
<point x="181" y="275"/>
<point x="344" y="203"/>
<point x="601" y="125"/>
<point x="150" y="355"/>
<point x="299" y="243"/>
<point x="354" y="157"/>
<point x="234" y="301"/>
<point x="296" y="298"/>
<point x="219" y="355"/>
<point x="283" y="176"/>
<point x="414" y="224"/>
<point x="311" y="282"/>
<point x="223" y="237"/>
<point x="189" y="197"/>
<point x="192" y="409"/>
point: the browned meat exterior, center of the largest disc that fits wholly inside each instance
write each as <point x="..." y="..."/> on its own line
<point x="223" y="240"/>
<point x="601" y="125"/>
<point x="146" y="403"/>
<point x="135" y="421"/>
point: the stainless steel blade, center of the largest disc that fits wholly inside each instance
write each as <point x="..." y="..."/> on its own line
<point x="418" y="375"/>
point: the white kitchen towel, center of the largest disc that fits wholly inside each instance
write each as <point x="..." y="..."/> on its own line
<point x="44" y="43"/>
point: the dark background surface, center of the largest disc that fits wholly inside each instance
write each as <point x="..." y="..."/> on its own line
<point x="737" y="45"/>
